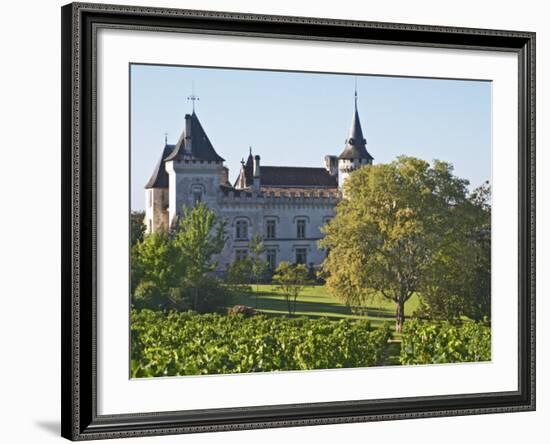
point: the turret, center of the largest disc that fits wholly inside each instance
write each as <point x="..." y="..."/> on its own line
<point x="156" y="195"/>
<point x="195" y="170"/>
<point x="355" y="154"/>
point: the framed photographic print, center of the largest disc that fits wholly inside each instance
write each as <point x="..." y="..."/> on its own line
<point x="280" y="221"/>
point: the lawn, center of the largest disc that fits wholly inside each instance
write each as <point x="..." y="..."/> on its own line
<point x="315" y="301"/>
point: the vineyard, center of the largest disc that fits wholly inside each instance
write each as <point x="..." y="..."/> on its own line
<point x="438" y="343"/>
<point x="177" y="344"/>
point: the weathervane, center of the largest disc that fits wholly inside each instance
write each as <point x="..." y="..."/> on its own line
<point x="166" y="138"/>
<point x="193" y="97"/>
<point x="356" y="93"/>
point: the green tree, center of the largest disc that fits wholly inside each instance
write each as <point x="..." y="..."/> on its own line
<point x="290" y="280"/>
<point x="200" y="236"/>
<point x="258" y="266"/>
<point x="238" y="276"/>
<point x="459" y="283"/>
<point x="388" y="230"/>
<point x="137" y="227"/>
<point x="155" y="261"/>
<point x="148" y="295"/>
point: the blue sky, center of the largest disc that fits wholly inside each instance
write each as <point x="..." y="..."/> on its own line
<point x="294" y="119"/>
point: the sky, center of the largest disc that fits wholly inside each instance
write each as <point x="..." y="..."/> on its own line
<point x="295" y="118"/>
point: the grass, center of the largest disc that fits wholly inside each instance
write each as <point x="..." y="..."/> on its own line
<point x="316" y="301"/>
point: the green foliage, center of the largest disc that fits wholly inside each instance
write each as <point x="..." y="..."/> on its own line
<point x="137" y="227"/>
<point x="396" y="223"/>
<point x="199" y="236"/>
<point x="175" y="343"/>
<point x="155" y="261"/>
<point x="259" y="267"/>
<point x="238" y="275"/>
<point x="290" y="280"/>
<point x="148" y="295"/>
<point x="459" y="282"/>
<point x="437" y="343"/>
<point x="179" y="264"/>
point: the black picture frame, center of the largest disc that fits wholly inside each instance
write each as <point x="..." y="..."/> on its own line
<point x="80" y="420"/>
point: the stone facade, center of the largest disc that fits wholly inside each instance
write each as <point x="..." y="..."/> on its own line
<point x="286" y="206"/>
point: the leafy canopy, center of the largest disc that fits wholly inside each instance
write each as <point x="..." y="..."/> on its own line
<point x="175" y="267"/>
<point x="390" y="230"/>
<point x="290" y="280"/>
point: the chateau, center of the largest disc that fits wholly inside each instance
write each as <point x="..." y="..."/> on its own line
<point x="286" y="205"/>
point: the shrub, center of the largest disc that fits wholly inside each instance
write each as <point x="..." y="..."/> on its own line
<point x="437" y="343"/>
<point x="242" y="310"/>
<point x="175" y="343"/>
<point x="148" y="295"/>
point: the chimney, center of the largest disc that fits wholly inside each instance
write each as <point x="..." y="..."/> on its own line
<point x="188" y="135"/>
<point x="331" y="165"/>
<point x="224" y="176"/>
<point x="256" y="172"/>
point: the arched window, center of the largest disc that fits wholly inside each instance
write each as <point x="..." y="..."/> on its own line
<point x="196" y="193"/>
<point x="241" y="229"/>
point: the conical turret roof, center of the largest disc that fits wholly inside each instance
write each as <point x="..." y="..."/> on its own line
<point x="356" y="144"/>
<point x="194" y="141"/>
<point x="159" y="178"/>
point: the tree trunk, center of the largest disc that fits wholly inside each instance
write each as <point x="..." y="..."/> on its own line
<point x="399" y="316"/>
<point x="288" y="304"/>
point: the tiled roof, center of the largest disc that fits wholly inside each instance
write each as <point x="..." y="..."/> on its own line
<point x="159" y="178"/>
<point x="282" y="176"/>
<point x="201" y="147"/>
<point x="293" y="177"/>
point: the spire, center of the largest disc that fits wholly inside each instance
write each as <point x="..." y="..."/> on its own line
<point x="356" y="144"/>
<point x="241" y="180"/>
<point x="159" y="178"/>
<point x="246" y="174"/>
<point x="355" y="94"/>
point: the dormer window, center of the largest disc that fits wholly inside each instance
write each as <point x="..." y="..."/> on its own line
<point x="351" y="141"/>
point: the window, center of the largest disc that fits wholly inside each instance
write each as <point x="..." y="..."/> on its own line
<point x="270" y="232"/>
<point x="241" y="229"/>
<point x="240" y="255"/>
<point x="271" y="256"/>
<point x="197" y="196"/>
<point x="301" y="228"/>
<point x="301" y="255"/>
<point x="150" y="196"/>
